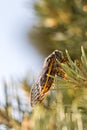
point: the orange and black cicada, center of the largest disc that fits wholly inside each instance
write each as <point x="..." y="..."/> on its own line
<point x="44" y="82"/>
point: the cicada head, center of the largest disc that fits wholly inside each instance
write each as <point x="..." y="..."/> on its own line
<point x="58" y="55"/>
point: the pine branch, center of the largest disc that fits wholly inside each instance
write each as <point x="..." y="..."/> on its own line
<point x="76" y="72"/>
<point x="9" y="121"/>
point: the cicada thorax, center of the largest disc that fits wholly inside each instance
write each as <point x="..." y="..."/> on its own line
<point x="57" y="67"/>
<point x="59" y="71"/>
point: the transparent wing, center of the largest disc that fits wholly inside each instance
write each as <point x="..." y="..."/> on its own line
<point x="35" y="95"/>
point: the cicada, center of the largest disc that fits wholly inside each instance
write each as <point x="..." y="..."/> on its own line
<point x="51" y="67"/>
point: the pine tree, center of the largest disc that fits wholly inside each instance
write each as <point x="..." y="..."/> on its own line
<point x="61" y="24"/>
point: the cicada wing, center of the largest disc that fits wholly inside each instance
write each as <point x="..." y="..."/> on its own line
<point x="35" y="91"/>
<point x="36" y="96"/>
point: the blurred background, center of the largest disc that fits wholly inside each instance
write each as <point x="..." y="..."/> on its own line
<point x="29" y="32"/>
